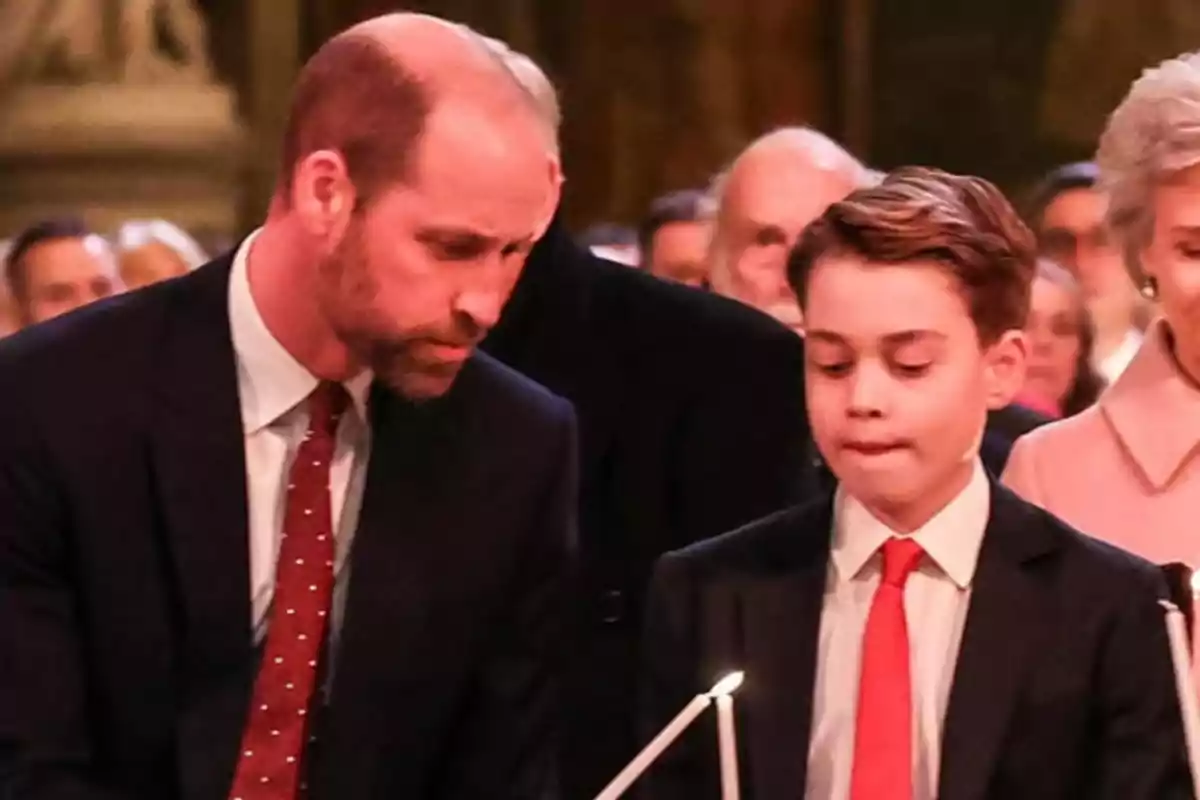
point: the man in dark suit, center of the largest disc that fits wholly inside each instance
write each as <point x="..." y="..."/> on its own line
<point x="921" y="633"/>
<point x="691" y="414"/>
<point x="183" y="470"/>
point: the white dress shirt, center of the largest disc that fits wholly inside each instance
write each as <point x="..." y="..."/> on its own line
<point x="272" y="390"/>
<point x="935" y="602"/>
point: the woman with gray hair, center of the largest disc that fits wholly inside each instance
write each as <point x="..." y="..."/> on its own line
<point x="1128" y="469"/>
<point x="154" y="250"/>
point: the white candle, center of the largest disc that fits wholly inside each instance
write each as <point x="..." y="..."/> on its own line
<point x="655" y="749"/>
<point x="728" y="743"/>
<point x="1177" y="635"/>
<point x="667" y="735"/>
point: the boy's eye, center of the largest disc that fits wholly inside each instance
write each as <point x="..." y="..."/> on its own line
<point x="913" y="370"/>
<point x="834" y="369"/>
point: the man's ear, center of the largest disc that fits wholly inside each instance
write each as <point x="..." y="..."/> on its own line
<point x="553" y="200"/>
<point x="323" y="196"/>
<point x="1004" y="368"/>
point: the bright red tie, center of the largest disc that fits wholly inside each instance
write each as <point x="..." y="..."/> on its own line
<point x="276" y="728"/>
<point x="883" y="730"/>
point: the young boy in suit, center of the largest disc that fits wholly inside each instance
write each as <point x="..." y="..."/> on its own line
<point x="920" y="632"/>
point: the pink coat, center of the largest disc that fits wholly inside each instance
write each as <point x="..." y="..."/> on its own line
<point x="1128" y="469"/>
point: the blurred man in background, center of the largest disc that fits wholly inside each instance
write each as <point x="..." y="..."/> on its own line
<point x="1067" y="213"/>
<point x="673" y="238"/>
<point x="56" y="266"/>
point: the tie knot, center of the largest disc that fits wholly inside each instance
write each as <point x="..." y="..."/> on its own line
<point x="326" y="405"/>
<point x="900" y="558"/>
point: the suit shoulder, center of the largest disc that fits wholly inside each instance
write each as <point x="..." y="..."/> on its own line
<point x="1103" y="565"/>
<point x="1016" y="420"/>
<point x="80" y="351"/>
<point x="510" y="392"/>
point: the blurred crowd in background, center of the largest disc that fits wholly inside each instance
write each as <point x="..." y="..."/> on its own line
<point x="732" y="237"/>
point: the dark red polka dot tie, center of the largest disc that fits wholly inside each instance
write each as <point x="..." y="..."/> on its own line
<point x="276" y="729"/>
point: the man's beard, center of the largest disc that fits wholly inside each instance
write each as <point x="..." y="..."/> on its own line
<point x="394" y="363"/>
<point x="392" y="358"/>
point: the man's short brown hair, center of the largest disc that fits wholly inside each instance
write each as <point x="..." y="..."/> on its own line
<point x="919" y="214"/>
<point x="16" y="270"/>
<point x="353" y="96"/>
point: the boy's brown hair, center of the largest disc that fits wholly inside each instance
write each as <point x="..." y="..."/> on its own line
<point x="921" y="214"/>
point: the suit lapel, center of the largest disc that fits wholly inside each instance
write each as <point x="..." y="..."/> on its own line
<point x="413" y="479"/>
<point x="782" y="620"/>
<point x="199" y="474"/>
<point x="1007" y="620"/>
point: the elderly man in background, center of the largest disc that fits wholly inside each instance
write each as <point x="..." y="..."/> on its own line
<point x="771" y="192"/>
<point x="692" y="422"/>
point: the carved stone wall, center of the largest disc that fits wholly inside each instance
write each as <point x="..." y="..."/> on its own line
<point x="658" y="94"/>
<point x="113" y="111"/>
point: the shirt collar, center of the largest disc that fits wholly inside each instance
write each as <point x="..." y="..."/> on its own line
<point x="951" y="539"/>
<point x="1155" y="410"/>
<point x="271" y="382"/>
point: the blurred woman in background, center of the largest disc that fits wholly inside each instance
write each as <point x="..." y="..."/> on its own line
<point x="1060" y="380"/>
<point x="154" y="250"/>
<point x="1127" y="470"/>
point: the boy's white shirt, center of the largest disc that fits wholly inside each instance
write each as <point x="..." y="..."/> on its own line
<point x="936" y="598"/>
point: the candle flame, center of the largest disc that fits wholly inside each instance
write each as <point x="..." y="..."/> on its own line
<point x="727" y="685"/>
<point x="1196" y="582"/>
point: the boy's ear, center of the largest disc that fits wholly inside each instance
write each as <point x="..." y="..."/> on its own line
<point x="1004" y="368"/>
